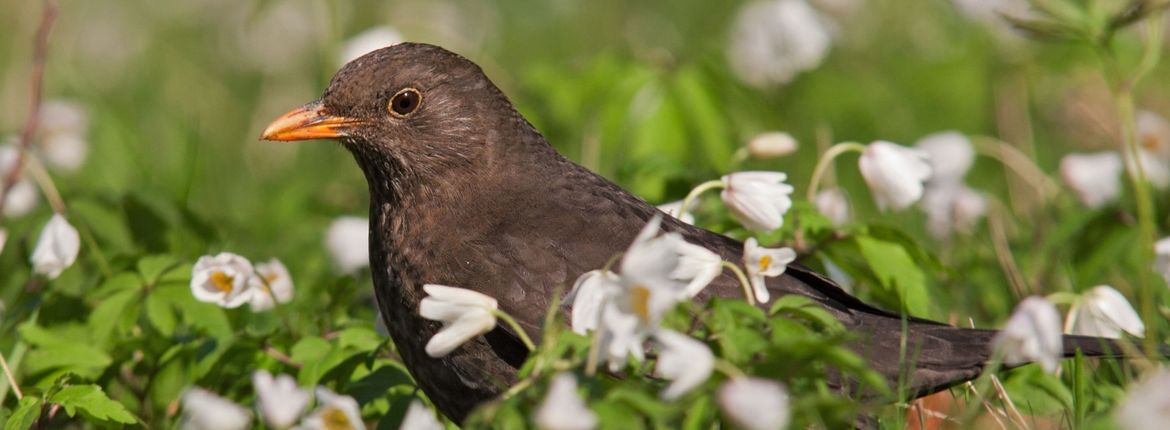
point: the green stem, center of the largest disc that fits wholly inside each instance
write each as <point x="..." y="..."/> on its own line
<point x="515" y="326"/>
<point x="1145" y="207"/>
<point x="594" y="354"/>
<point x="17" y="356"/>
<point x="703" y="187"/>
<point x="276" y="305"/>
<point x="1018" y="162"/>
<point x="749" y="293"/>
<point x="727" y="368"/>
<point x="982" y="384"/>
<point x="827" y="160"/>
<point x="613" y="259"/>
<point x="11" y="379"/>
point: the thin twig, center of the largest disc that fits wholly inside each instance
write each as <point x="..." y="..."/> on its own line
<point x="11" y="379"/>
<point x="280" y="356"/>
<point x="994" y="414"/>
<point x="1014" y="413"/>
<point x="40" y="52"/>
<point x="996" y="220"/>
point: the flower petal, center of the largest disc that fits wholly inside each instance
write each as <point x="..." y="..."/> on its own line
<point x="460" y="296"/>
<point x="474" y="322"/>
<point x="56" y="248"/>
<point x="562" y="408"/>
<point x="1032" y="334"/>
<point x="755" y="403"/>
<point x="683" y="360"/>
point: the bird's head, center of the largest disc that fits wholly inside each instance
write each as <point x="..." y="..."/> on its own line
<point x="418" y="107"/>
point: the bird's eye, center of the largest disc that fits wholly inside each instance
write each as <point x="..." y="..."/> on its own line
<point x="405" y="102"/>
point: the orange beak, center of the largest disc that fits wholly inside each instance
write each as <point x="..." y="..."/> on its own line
<point x="308" y="122"/>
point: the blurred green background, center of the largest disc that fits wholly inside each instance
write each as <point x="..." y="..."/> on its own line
<point x="177" y="93"/>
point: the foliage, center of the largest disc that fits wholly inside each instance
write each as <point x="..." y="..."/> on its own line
<point x="640" y="93"/>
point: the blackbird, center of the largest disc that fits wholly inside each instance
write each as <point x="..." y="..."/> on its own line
<point x="465" y="192"/>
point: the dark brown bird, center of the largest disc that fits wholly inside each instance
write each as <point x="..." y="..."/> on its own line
<point x="465" y="192"/>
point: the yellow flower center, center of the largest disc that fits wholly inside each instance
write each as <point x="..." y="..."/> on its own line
<point x="223" y="282"/>
<point x="336" y="419"/>
<point x="1151" y="141"/>
<point x="764" y="262"/>
<point x="640" y="301"/>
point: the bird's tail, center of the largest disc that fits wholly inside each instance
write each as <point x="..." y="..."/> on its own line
<point x="1090" y="346"/>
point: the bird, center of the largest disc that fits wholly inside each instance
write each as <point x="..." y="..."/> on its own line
<point x="464" y="191"/>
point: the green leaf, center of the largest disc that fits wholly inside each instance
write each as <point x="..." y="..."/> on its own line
<point x="118" y="283"/>
<point x="147" y="224"/>
<point x="25" y="414"/>
<point x="91" y="401"/>
<point x="375" y="384"/>
<point x="153" y="267"/>
<point x="106" y="315"/>
<point x="80" y="358"/>
<point x="204" y="316"/>
<point x="361" y="338"/>
<point x="805" y="308"/>
<point x="897" y="272"/>
<point x="704" y="115"/>
<point x="309" y="349"/>
<point x="161" y="314"/>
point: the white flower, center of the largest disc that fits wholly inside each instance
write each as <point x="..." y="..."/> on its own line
<point x="347" y="240"/>
<point x="368" y="41"/>
<point x="271" y="276"/>
<point x="66" y="152"/>
<point x="657" y="271"/>
<point x="1032" y="334"/>
<point x="1147" y="403"/>
<point x="335" y="412"/>
<point x="562" y="408"/>
<point x="650" y="277"/>
<point x="764" y="262"/>
<point x="57" y="247"/>
<point x="588" y="297"/>
<point x="758" y="200"/>
<point x="894" y="173"/>
<point x="675" y="209"/>
<point x="1095" y="177"/>
<point x="755" y="403"/>
<point x="63" y="129"/>
<point x="1162" y="264"/>
<point x="222" y="279"/>
<point x="772" y="144"/>
<point x="1157" y="171"/>
<point x="950" y="154"/>
<point x="622" y="335"/>
<point x="203" y="410"/>
<point x="465" y="314"/>
<point x="774" y="40"/>
<point x="1154" y="147"/>
<point x="280" y="400"/>
<point x="21" y="200"/>
<point x="1154" y="134"/>
<point x="970" y="206"/>
<point x="952" y="208"/>
<point x="698" y="266"/>
<point x="419" y="417"/>
<point x="831" y="202"/>
<point x="1103" y="312"/>
<point x="684" y="361"/>
<point x="22" y="197"/>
